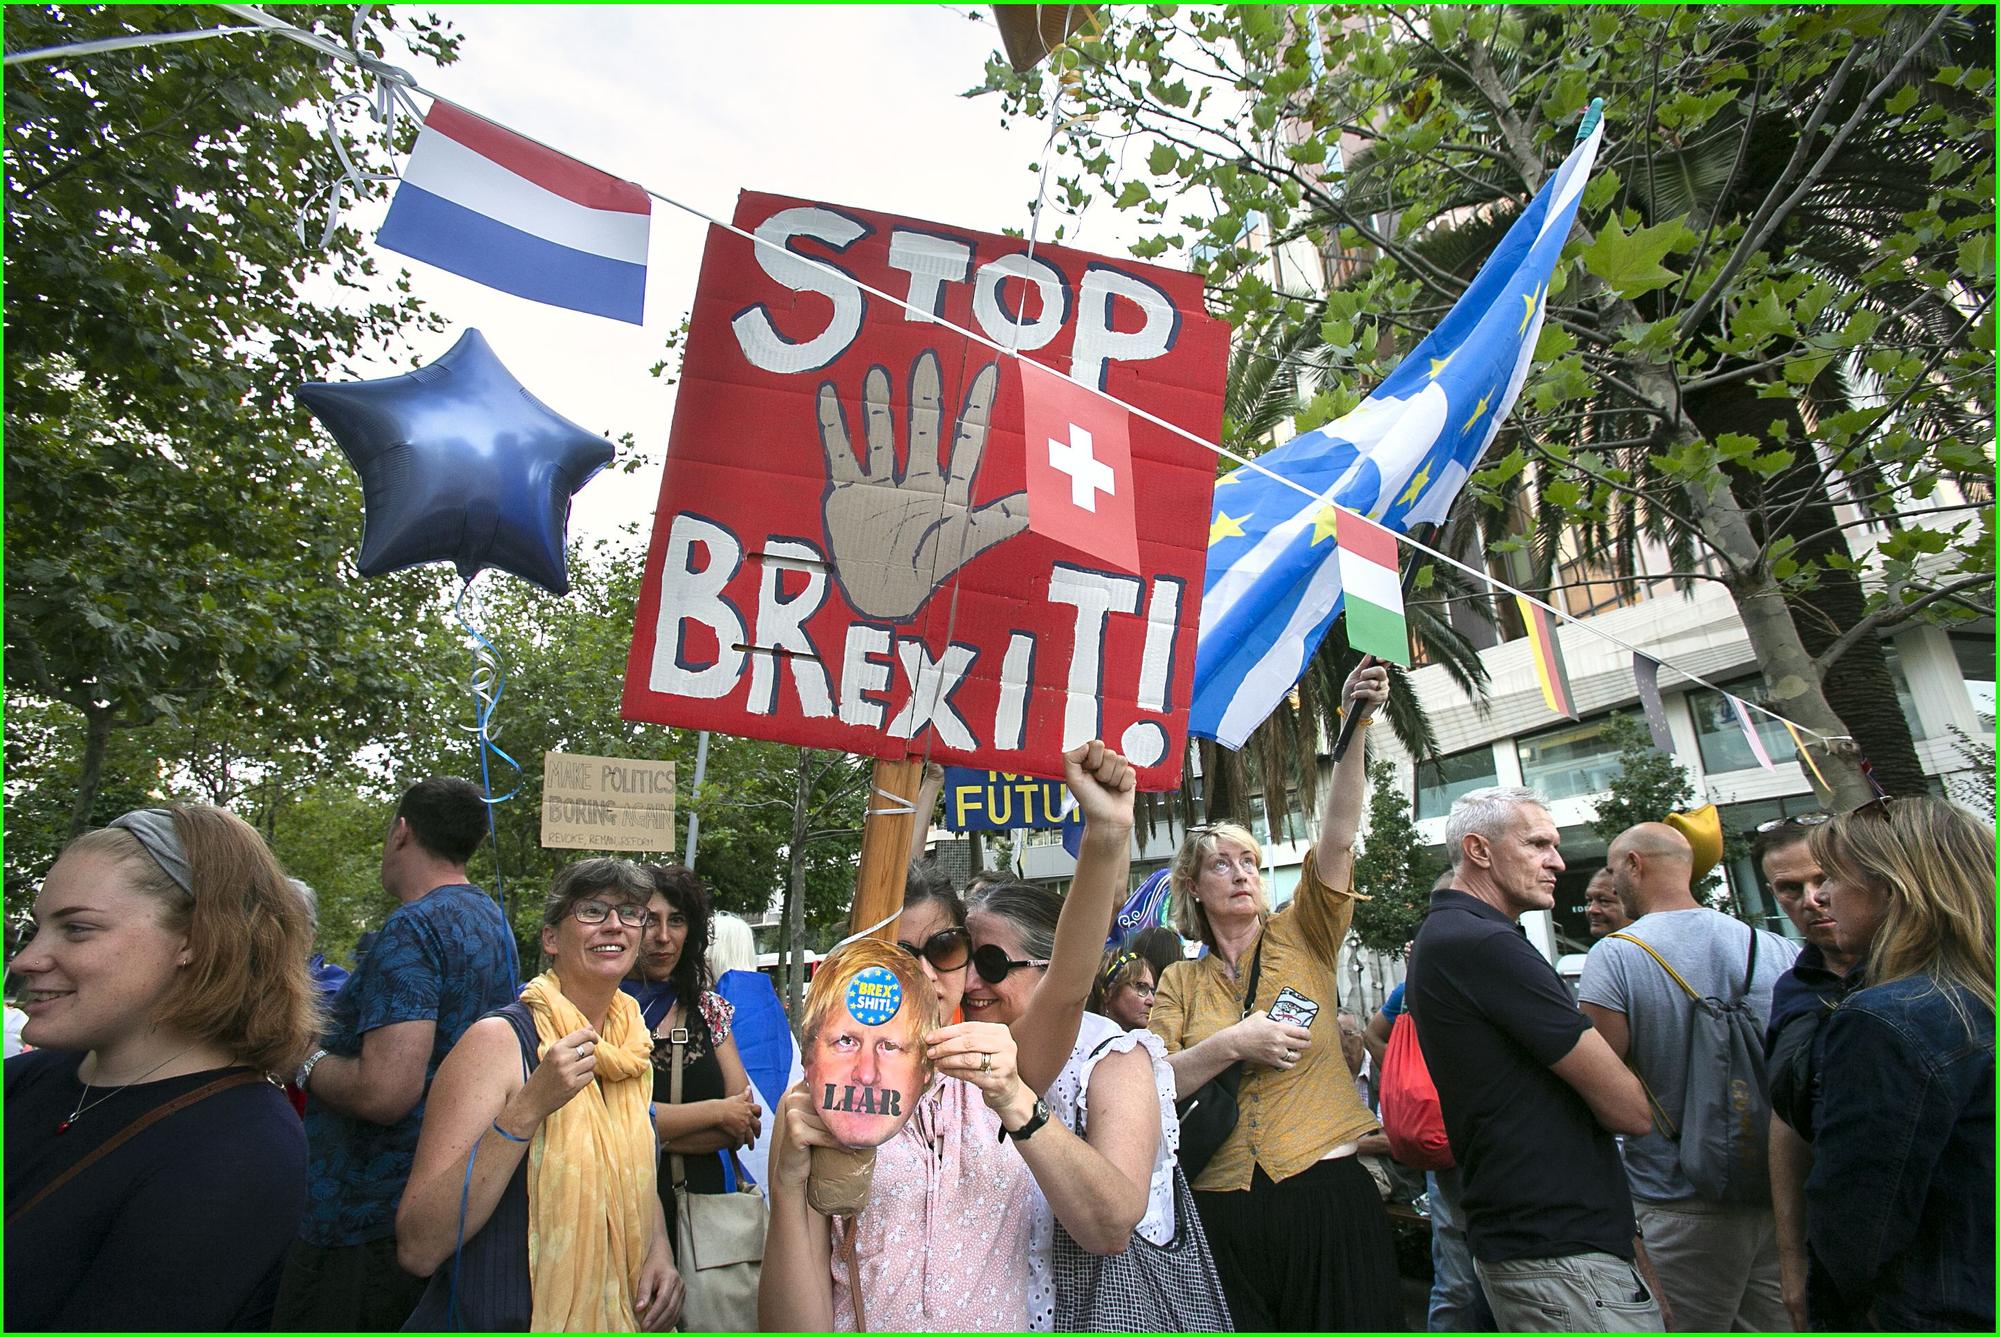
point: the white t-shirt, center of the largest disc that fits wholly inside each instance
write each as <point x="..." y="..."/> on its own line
<point x="1068" y="1100"/>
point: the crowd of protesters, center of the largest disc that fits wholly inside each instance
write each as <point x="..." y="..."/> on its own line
<point x="1177" y="1133"/>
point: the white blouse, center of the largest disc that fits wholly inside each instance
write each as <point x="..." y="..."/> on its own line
<point x="1068" y="1100"/>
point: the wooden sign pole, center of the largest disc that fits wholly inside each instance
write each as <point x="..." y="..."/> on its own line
<point x="885" y="845"/>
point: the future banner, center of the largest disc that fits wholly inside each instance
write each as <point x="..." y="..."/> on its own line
<point x="857" y="545"/>
<point x="985" y="801"/>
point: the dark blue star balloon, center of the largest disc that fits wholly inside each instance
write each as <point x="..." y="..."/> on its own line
<point x="459" y="463"/>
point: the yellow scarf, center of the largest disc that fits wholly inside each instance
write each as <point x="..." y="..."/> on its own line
<point x="592" y="1174"/>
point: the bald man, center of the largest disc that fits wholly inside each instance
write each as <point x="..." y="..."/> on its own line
<point x="1717" y="1262"/>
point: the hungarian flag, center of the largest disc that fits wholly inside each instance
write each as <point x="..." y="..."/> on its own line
<point x="1374" y="590"/>
<point x="1079" y="467"/>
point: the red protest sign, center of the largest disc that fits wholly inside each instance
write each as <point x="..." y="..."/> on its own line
<point x="841" y="555"/>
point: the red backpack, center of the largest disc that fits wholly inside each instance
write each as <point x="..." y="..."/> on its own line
<point x="1412" y="1119"/>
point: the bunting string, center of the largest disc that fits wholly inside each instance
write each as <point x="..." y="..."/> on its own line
<point x="405" y="84"/>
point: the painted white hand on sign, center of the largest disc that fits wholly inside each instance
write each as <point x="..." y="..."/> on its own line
<point x="895" y="535"/>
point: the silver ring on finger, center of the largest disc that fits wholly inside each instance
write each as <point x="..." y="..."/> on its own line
<point x="1291" y="1056"/>
<point x="985" y="1063"/>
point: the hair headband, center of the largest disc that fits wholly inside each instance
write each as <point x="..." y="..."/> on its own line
<point x="1118" y="963"/>
<point x="153" y="828"/>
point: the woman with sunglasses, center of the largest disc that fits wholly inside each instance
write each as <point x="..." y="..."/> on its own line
<point x="1124" y="990"/>
<point x="1899" y="1202"/>
<point x="943" y="1242"/>
<point x="932" y="929"/>
<point x="1115" y="1086"/>
<point x="532" y="1204"/>
<point x="1299" y="1231"/>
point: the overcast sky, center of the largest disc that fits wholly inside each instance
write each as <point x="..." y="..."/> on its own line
<point x="850" y="105"/>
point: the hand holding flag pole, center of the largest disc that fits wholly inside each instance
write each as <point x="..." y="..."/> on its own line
<point x="1356" y="713"/>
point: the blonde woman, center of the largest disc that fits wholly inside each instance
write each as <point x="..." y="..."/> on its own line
<point x="1899" y="1204"/>
<point x="1299" y="1232"/>
<point x="533" y="1204"/>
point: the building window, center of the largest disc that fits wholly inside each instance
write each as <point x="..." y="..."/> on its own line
<point x="1720" y="737"/>
<point x="1906" y="700"/>
<point x="1571" y="761"/>
<point x="1975" y="664"/>
<point x="1588" y="585"/>
<point x="1441" y="781"/>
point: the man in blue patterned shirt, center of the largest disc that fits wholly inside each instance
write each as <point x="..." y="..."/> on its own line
<point x="444" y="957"/>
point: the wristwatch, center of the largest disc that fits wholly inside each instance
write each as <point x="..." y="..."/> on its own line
<point x="1036" y="1119"/>
<point x="305" y="1071"/>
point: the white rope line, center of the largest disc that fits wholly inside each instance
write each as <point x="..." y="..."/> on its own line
<point x="378" y="67"/>
<point x="119" y="44"/>
<point x="857" y="937"/>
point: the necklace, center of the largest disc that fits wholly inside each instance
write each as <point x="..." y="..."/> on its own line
<point x="84" y="1102"/>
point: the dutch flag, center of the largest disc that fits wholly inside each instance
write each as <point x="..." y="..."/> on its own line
<point x="500" y="210"/>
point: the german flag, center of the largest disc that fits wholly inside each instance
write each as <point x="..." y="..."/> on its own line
<point x="1549" y="668"/>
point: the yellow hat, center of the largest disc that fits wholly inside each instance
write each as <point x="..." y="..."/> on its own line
<point x="1703" y="829"/>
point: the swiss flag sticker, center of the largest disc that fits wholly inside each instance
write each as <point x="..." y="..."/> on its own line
<point x="1079" y="467"/>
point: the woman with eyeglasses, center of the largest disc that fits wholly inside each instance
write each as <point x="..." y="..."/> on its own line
<point x="1298" y="1228"/>
<point x="944" y="1240"/>
<point x="1124" y="990"/>
<point x="532" y="1204"/>
<point x="1899" y="1201"/>
<point x="155" y="1173"/>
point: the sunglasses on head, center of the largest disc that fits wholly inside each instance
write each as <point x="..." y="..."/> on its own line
<point x="945" y="950"/>
<point x="994" y="965"/>
<point x="1804" y="819"/>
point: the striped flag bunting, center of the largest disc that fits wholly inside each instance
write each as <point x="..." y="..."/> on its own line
<point x="1373" y="588"/>
<point x="491" y="206"/>
<point x="1547" y="650"/>
<point x="1750" y="732"/>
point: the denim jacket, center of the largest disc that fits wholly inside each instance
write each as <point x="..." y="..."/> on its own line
<point x="1899" y="1204"/>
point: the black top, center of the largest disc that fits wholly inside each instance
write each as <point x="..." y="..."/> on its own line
<point x="486" y="1286"/>
<point x="1801" y="1001"/>
<point x="184" y="1226"/>
<point x="1542" y="1177"/>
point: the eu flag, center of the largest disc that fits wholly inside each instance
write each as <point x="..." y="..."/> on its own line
<point x="1273" y="584"/>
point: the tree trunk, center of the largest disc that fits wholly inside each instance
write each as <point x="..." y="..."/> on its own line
<point x="96" y="742"/>
<point x="1796" y="691"/>
<point x="795" y="895"/>
<point x="1858" y="685"/>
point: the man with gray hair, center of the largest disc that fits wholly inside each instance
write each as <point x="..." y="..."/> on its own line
<point x="1717" y="1260"/>
<point x="1531" y="1094"/>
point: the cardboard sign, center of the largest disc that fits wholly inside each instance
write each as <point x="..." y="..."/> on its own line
<point x="607" y="803"/>
<point x="991" y="801"/>
<point x="841" y="556"/>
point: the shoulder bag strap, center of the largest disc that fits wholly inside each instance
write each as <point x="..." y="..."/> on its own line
<point x="678" y="1037"/>
<point x="1256" y="970"/>
<point x="1750" y="970"/>
<point x="130" y="1131"/>
<point x="1667" y="1123"/>
<point x="1672" y="974"/>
